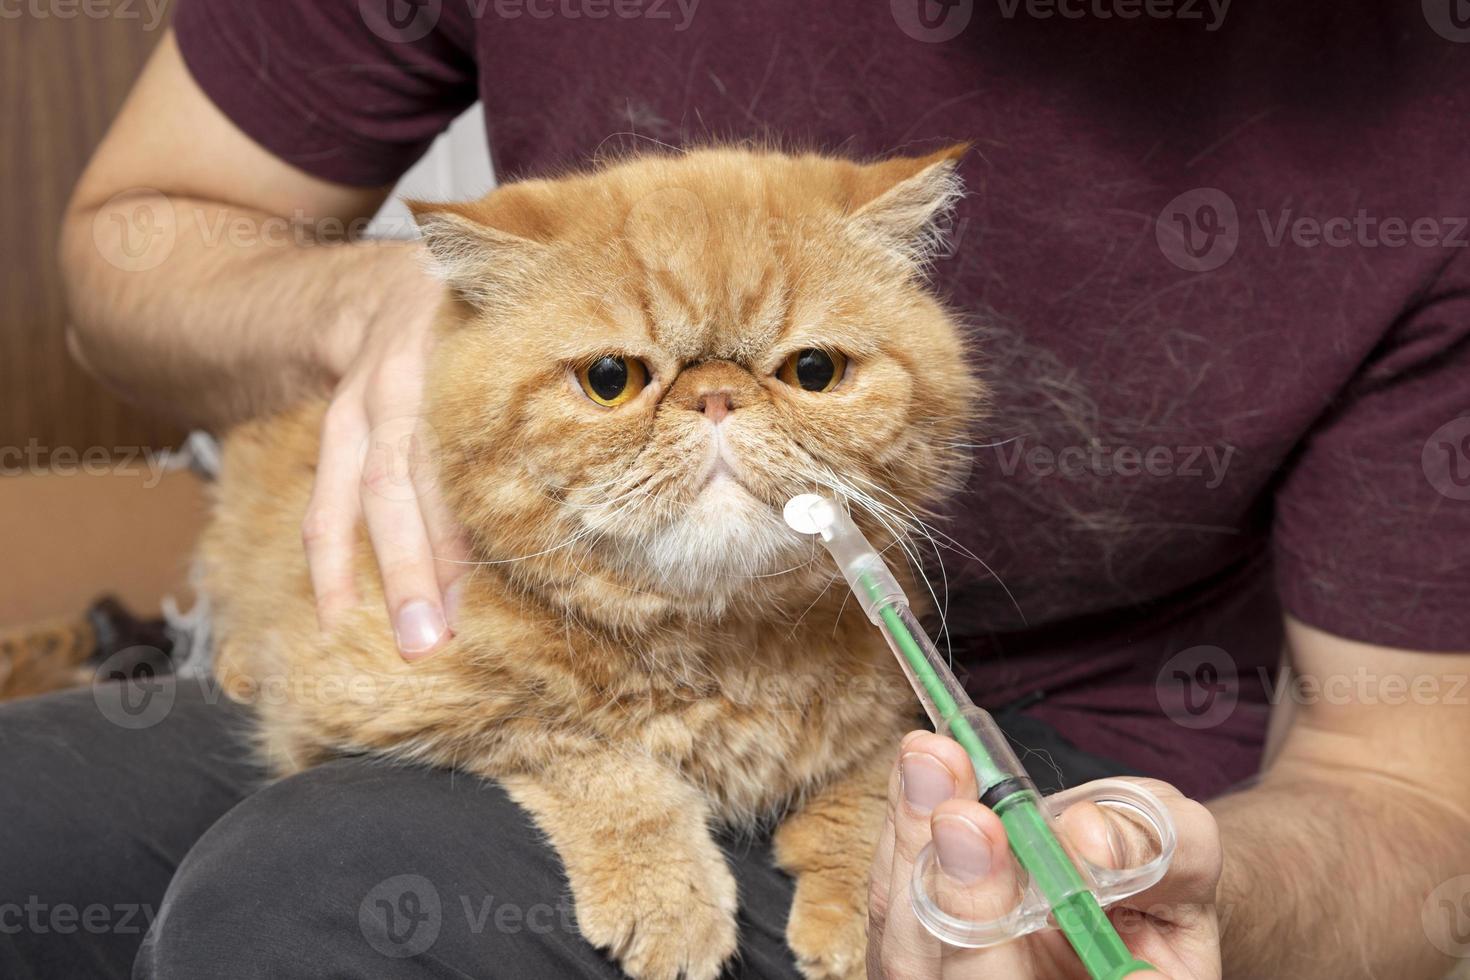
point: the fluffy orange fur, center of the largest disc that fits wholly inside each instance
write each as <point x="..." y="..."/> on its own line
<point x="643" y="648"/>
<point x="45" y="657"/>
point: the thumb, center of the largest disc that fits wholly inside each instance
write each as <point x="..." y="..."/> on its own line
<point x="1109" y="838"/>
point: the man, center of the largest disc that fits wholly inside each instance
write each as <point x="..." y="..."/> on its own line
<point x="1227" y="303"/>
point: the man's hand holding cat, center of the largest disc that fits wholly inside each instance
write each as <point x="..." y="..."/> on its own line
<point x="1173" y="925"/>
<point x="376" y="466"/>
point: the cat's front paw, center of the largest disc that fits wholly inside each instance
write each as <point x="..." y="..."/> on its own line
<point x="669" y="919"/>
<point x="828" y="928"/>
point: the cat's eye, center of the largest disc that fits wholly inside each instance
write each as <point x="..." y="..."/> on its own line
<point x="813" y="369"/>
<point x="612" y="380"/>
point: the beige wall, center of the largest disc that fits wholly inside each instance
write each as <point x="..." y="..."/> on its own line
<point x="71" y="538"/>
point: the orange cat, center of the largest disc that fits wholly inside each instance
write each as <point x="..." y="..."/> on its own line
<point x="639" y="366"/>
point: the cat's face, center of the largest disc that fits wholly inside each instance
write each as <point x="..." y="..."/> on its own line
<point x="651" y="359"/>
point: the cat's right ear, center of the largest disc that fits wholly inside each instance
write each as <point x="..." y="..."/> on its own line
<point x="476" y="260"/>
<point x="903" y="203"/>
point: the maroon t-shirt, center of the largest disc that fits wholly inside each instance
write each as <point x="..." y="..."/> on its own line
<point x="1215" y="256"/>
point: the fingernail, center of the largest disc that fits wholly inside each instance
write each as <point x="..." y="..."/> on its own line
<point x="419" y="627"/>
<point x="909" y="738"/>
<point x="926" y="782"/>
<point x="452" y="596"/>
<point x="963" y="852"/>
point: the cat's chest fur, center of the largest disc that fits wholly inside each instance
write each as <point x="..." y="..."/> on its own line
<point x="755" y="717"/>
<point x="756" y="736"/>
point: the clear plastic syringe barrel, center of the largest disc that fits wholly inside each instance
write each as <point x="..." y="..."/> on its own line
<point x="948" y="706"/>
<point x="1004" y="785"/>
<point x="883" y="599"/>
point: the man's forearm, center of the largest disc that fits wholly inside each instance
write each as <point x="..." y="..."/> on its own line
<point x="1325" y="877"/>
<point x="213" y="314"/>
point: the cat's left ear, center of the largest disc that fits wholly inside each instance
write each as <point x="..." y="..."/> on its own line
<point x="478" y="260"/>
<point x="902" y="202"/>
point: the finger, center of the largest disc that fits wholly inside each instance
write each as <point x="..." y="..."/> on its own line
<point x="948" y="754"/>
<point x="932" y="771"/>
<point x="330" y="525"/>
<point x="390" y="506"/>
<point x="976" y="880"/>
<point x="447" y="540"/>
<point x="1103" y="839"/>
<point x="882" y="865"/>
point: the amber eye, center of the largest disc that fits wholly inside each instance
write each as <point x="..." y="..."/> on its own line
<point x="612" y="380"/>
<point x="813" y="369"/>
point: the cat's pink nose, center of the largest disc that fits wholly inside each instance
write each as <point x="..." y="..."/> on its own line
<point x="716" y="405"/>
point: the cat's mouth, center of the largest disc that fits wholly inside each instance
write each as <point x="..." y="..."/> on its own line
<point x="722" y="466"/>
<point x="718" y="472"/>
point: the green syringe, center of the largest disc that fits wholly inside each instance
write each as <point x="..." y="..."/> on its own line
<point x="1068" y="893"/>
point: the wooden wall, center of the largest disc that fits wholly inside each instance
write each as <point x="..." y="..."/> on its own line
<point x="72" y="531"/>
<point x="62" y="78"/>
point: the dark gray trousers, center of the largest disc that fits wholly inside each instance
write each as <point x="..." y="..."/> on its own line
<point x="138" y="837"/>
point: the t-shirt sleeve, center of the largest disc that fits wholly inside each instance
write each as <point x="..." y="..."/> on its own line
<point x="1372" y="520"/>
<point x="352" y="91"/>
